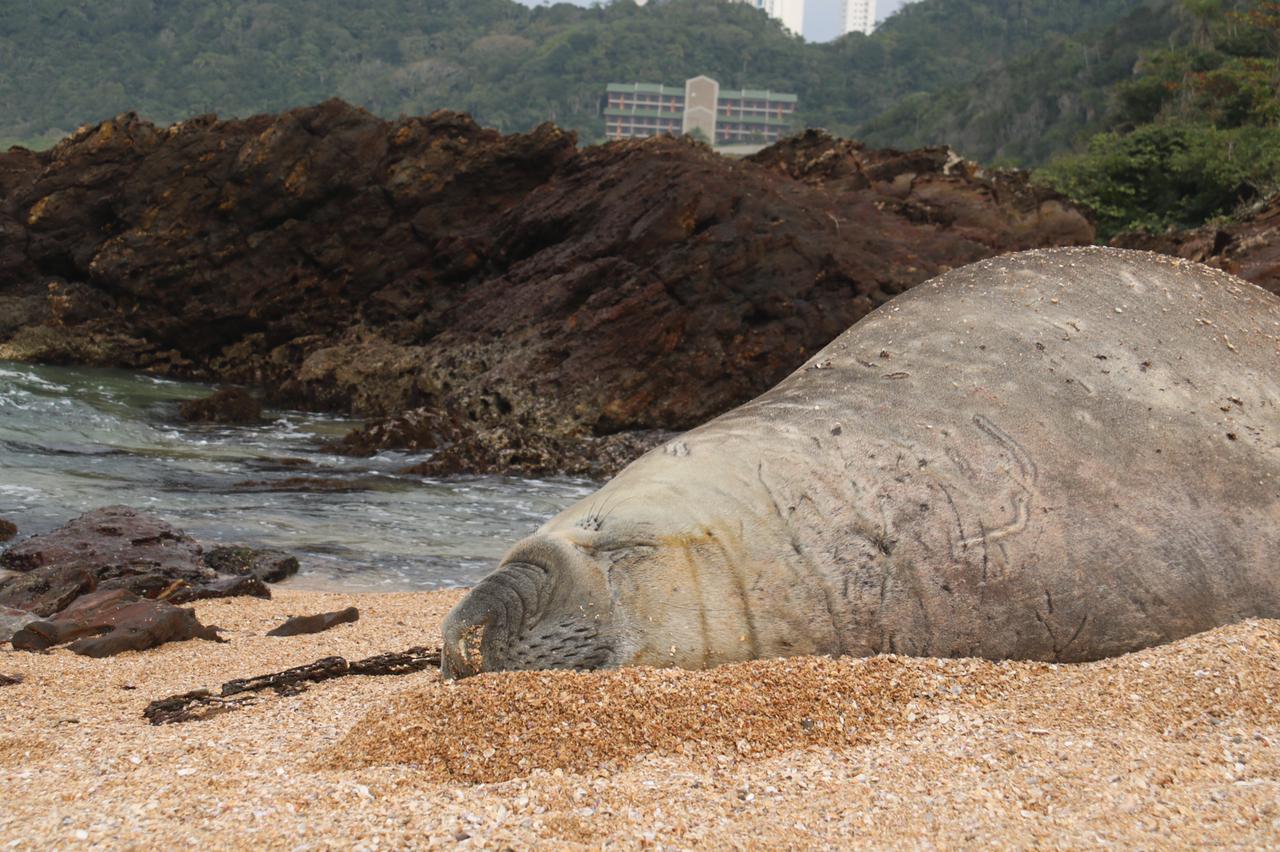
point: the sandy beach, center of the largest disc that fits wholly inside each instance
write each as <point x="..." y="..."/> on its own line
<point x="1174" y="746"/>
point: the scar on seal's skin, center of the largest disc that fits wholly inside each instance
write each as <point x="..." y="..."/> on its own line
<point x="1025" y="464"/>
<point x="1025" y="479"/>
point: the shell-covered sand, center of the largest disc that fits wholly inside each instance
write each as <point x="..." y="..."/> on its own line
<point x="1173" y="746"/>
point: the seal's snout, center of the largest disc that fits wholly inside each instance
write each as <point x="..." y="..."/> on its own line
<point x="529" y="615"/>
<point x="479" y="630"/>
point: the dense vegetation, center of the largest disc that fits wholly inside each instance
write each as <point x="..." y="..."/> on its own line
<point x="67" y="62"/>
<point x="1194" y="133"/>
<point x="1029" y="107"/>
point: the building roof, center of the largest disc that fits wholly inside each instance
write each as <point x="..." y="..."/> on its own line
<point x="758" y="95"/>
<point x="645" y="88"/>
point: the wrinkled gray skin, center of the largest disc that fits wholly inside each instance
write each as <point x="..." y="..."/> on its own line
<point x="1056" y="455"/>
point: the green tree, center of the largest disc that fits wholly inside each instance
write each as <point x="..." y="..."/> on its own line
<point x="1165" y="175"/>
<point x="1204" y="14"/>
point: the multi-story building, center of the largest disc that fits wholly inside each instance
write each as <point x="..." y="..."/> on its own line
<point x="789" y="12"/>
<point x="702" y="108"/>
<point x="859" y="16"/>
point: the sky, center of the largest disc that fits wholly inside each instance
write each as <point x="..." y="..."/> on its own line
<point x="821" y="18"/>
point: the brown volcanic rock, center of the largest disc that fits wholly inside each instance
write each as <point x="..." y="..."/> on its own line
<point x="107" y="623"/>
<point x="8" y="529"/>
<point x="13" y="620"/>
<point x="116" y="548"/>
<point x="224" y="587"/>
<point x="234" y="248"/>
<point x="22" y="296"/>
<point x="1249" y="248"/>
<point x="514" y="451"/>
<point x="269" y="566"/>
<point x="45" y="591"/>
<point x="346" y="262"/>
<point x="999" y="208"/>
<point x="417" y="429"/>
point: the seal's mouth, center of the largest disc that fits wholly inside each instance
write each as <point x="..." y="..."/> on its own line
<point x="526" y="615"/>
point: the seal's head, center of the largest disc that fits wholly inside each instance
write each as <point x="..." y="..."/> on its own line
<point x="657" y="569"/>
<point x="547" y="607"/>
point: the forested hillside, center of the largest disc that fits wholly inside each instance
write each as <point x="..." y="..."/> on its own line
<point x="1194" y="132"/>
<point x="1029" y="107"/>
<point x="68" y="62"/>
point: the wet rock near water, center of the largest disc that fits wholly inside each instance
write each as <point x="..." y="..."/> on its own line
<point x="1249" y="247"/>
<point x="269" y="566"/>
<point x="8" y="530"/>
<point x="119" y="549"/>
<point x="340" y="261"/>
<point x="302" y="625"/>
<point x="106" y="623"/>
<point x="461" y="446"/>
<point x="511" y="451"/>
<point x="223" y="587"/>
<point x="226" y="406"/>
<point x="415" y="430"/>
<point x="113" y="548"/>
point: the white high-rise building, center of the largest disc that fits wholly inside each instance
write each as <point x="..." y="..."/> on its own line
<point x="859" y="16"/>
<point x="790" y="12"/>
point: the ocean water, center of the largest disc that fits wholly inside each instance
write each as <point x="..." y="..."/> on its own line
<point x="74" y="439"/>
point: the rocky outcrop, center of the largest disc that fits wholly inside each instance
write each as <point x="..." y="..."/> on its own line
<point x="418" y="429"/>
<point x="1249" y="247"/>
<point x="46" y="590"/>
<point x="340" y="261"/>
<point x="223" y="587"/>
<point x="107" y="623"/>
<point x="492" y="445"/>
<point x="117" y="548"/>
<point x="8" y="529"/>
<point x="110" y="548"/>
<point x="269" y="566"/>
<point x="508" y="450"/>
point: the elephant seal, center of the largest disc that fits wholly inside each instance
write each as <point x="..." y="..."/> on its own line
<point x="1056" y="455"/>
